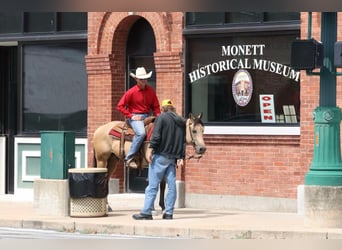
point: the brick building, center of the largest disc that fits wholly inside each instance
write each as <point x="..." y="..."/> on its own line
<point x="248" y="164"/>
<point x="256" y="157"/>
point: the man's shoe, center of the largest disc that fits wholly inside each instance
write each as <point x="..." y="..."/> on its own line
<point x="142" y="216"/>
<point x="131" y="163"/>
<point x="167" y="216"/>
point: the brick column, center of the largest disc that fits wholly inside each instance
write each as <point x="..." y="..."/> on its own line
<point x="100" y="103"/>
<point x="169" y="77"/>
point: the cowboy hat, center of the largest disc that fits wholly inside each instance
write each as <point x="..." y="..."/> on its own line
<point x="140" y="73"/>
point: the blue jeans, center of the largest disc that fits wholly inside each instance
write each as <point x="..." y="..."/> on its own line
<point x="160" y="166"/>
<point x="138" y="138"/>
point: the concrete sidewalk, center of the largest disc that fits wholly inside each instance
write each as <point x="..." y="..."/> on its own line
<point x="188" y="223"/>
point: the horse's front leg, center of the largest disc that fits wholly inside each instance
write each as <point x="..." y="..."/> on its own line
<point x="162" y="194"/>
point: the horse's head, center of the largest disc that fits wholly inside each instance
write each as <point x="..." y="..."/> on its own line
<point x="194" y="134"/>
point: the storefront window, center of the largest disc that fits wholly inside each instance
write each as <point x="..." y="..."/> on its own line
<point x="54" y="87"/>
<point x="243" y="79"/>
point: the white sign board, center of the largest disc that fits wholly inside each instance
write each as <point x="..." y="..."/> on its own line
<point x="267" y="109"/>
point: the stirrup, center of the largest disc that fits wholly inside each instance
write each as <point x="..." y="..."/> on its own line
<point x="131" y="163"/>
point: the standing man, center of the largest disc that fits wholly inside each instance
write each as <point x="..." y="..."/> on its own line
<point x="136" y="104"/>
<point x="168" y="149"/>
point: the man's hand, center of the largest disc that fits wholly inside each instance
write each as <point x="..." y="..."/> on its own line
<point x="149" y="155"/>
<point x="180" y="163"/>
<point x="136" y="117"/>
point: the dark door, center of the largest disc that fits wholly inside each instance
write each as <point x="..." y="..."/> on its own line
<point x="140" y="49"/>
<point x="8" y="106"/>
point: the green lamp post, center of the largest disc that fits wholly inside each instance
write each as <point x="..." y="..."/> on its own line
<point x="326" y="167"/>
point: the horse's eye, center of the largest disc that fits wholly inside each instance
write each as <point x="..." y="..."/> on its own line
<point x="194" y="131"/>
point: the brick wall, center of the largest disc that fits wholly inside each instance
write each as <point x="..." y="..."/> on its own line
<point x="107" y="34"/>
<point x="271" y="166"/>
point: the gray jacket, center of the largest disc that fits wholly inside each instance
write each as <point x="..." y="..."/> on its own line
<point x="168" y="137"/>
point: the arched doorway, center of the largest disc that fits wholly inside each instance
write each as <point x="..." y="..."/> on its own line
<point x="141" y="46"/>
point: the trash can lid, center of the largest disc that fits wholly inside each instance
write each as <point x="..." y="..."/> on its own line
<point x="87" y="170"/>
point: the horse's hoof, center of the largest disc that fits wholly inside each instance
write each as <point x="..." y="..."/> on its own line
<point x="109" y="209"/>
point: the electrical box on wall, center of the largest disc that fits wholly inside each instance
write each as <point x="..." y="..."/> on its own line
<point x="338" y="54"/>
<point x="306" y="54"/>
<point x="57" y="154"/>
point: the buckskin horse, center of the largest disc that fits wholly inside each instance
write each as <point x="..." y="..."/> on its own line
<point x="109" y="149"/>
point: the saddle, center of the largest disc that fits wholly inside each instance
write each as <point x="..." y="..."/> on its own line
<point x="125" y="132"/>
<point x="124" y="128"/>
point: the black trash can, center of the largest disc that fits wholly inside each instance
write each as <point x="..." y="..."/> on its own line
<point x="88" y="189"/>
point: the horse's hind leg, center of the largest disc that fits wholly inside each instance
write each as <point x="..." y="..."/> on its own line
<point x="162" y="186"/>
<point x="111" y="166"/>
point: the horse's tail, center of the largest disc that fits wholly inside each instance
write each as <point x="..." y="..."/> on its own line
<point x="94" y="159"/>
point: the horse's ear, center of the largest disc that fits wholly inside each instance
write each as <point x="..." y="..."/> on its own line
<point x="200" y="116"/>
<point x="191" y="116"/>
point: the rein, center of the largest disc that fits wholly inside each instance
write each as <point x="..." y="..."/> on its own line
<point x="198" y="157"/>
<point x="191" y="135"/>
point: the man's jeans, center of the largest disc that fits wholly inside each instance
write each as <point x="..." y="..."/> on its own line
<point x="138" y="138"/>
<point x="160" y="166"/>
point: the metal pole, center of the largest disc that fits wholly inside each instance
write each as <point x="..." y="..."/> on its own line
<point x="326" y="167"/>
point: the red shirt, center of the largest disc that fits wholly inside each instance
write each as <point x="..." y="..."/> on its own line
<point x="136" y="100"/>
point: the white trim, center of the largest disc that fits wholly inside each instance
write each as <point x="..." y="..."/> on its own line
<point x="81" y="141"/>
<point x="2" y="164"/>
<point x="17" y="140"/>
<point x="9" y="43"/>
<point x="37" y="140"/>
<point x="24" y="175"/>
<point x="251" y="130"/>
<point x="77" y="160"/>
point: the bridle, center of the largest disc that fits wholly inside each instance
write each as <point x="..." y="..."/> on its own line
<point x="190" y="127"/>
<point x="191" y="133"/>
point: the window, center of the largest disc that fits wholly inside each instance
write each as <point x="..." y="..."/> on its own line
<point x="54" y="87"/>
<point x="39" y="22"/>
<point x="10" y="22"/>
<point x="243" y="78"/>
<point x="42" y="22"/>
<point x="72" y="21"/>
<point x="198" y="18"/>
<point x="243" y="17"/>
<point x="227" y="18"/>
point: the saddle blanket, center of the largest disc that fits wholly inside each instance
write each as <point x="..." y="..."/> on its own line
<point x="117" y="133"/>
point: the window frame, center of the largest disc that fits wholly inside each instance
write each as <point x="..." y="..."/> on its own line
<point x="203" y="31"/>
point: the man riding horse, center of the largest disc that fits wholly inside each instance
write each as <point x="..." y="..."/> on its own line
<point x="136" y="104"/>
